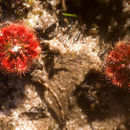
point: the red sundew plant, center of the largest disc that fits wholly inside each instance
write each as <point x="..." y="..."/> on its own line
<point x="18" y="48"/>
<point x="118" y="65"/>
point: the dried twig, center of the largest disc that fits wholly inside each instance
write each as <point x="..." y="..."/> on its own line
<point x="56" y="99"/>
<point x="63" y="5"/>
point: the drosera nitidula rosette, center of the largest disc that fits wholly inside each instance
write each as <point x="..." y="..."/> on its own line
<point x="18" y="48"/>
<point x="117" y="67"/>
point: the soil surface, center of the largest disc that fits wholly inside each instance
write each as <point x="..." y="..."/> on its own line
<point x="66" y="88"/>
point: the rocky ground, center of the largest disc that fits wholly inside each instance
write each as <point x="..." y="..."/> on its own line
<point x="66" y="88"/>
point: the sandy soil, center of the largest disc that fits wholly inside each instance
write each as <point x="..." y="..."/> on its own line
<point x="66" y="89"/>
